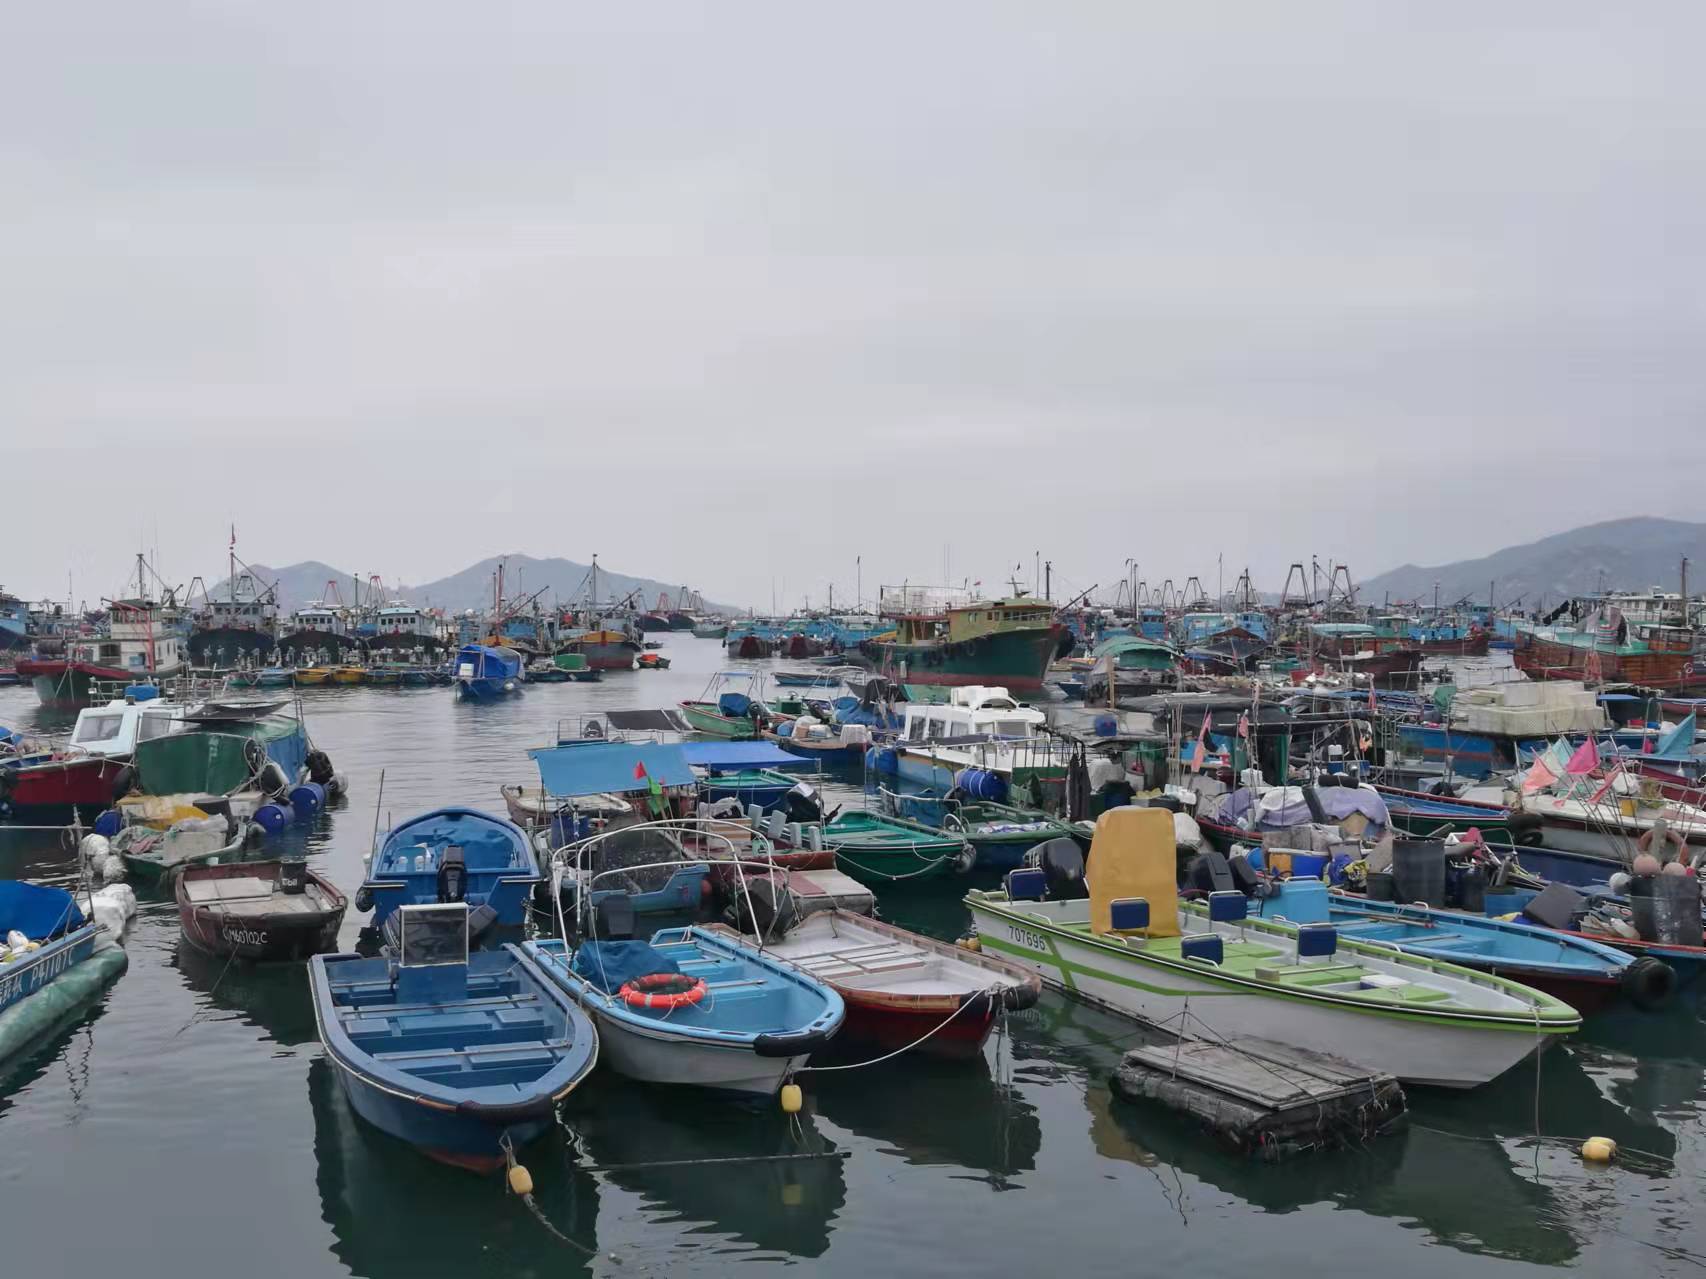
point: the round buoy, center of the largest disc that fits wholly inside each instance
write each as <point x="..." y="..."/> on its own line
<point x="792" y="1099"/>
<point x="1599" y="1150"/>
<point x="973" y="944"/>
<point x="109" y="823"/>
<point x="272" y="818"/>
<point x="520" y="1180"/>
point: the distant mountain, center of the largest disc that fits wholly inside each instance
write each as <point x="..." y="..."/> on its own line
<point x="1629" y="555"/>
<point x="563" y="581"/>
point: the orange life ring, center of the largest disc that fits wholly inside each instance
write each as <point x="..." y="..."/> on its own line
<point x="662" y="990"/>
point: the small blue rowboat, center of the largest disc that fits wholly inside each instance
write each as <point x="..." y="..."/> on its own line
<point x="695" y="1006"/>
<point x="485" y="673"/>
<point x="449" y="1051"/>
<point x="1583" y="973"/>
<point x="764" y="787"/>
<point x="451" y="855"/>
<point x="50" y="918"/>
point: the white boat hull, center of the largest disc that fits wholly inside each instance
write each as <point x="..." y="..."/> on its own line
<point x="662" y="1058"/>
<point x="1418" y="1050"/>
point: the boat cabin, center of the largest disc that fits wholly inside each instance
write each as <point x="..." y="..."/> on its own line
<point x="318" y="616"/>
<point x="114" y="730"/>
<point x="974" y="710"/>
<point x="398" y="620"/>
<point x="137" y="641"/>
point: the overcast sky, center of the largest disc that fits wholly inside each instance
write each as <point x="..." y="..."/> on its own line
<point x="733" y="293"/>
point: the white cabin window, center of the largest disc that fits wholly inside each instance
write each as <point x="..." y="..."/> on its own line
<point x="915" y="729"/>
<point x="153" y="726"/>
<point x="99" y="728"/>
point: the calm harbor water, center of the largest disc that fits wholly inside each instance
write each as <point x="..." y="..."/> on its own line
<point x="190" y="1123"/>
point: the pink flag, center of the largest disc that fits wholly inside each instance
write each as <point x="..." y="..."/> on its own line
<point x="1539" y="777"/>
<point x="1372" y="704"/>
<point x="1647" y="744"/>
<point x="1200" y="754"/>
<point x="1610" y="777"/>
<point x="1244" y="724"/>
<point x="1584" y="761"/>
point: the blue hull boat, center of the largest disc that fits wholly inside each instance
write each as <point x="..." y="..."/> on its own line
<point x="451" y="855"/>
<point x="454" y="1053"/>
<point x="50" y="918"/>
<point x="1583" y="973"/>
<point x="727" y="1017"/>
<point x="484" y="673"/>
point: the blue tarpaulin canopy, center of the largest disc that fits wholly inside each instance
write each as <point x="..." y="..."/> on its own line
<point x="597" y="767"/>
<point x="38" y="911"/>
<point x="732" y="757"/>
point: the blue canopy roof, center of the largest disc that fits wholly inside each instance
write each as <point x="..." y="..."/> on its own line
<point x="735" y="756"/>
<point x="597" y="767"/>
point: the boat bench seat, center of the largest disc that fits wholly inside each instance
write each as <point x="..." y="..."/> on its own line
<point x="427" y="1029"/>
<point x="1310" y="974"/>
<point x="1408" y="994"/>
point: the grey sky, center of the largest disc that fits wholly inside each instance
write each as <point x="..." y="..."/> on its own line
<point x="731" y="293"/>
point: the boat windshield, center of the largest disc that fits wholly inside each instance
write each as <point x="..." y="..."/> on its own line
<point x="434" y="935"/>
<point x="153" y="726"/>
<point x="98" y="728"/>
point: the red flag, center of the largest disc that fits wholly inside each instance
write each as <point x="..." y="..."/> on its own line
<point x="1200" y="754"/>
<point x="1372" y="704"/>
<point x="640" y="771"/>
<point x="1244" y="724"/>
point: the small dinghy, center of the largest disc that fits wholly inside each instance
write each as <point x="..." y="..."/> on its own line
<point x="278" y="910"/>
<point x="693" y="1005"/>
<point x="902" y="989"/>
<point x="449" y="1051"/>
<point x="52" y="960"/>
<point x="451" y="855"/>
<point x="879" y="849"/>
<point x="153" y="855"/>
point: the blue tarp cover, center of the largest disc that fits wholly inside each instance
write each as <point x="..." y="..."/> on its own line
<point x="608" y="964"/>
<point x="36" y="911"/>
<point x="597" y="767"/>
<point x="735" y="756"/>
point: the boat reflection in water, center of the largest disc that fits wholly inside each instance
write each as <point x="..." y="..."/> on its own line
<point x="784" y="1206"/>
<point x="1465" y="1170"/>
<point x="393" y="1213"/>
<point x="273" y="998"/>
<point x="933" y="1112"/>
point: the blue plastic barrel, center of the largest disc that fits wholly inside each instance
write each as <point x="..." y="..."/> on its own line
<point x="981" y="783"/>
<point x="307" y="799"/>
<point x="272" y="818"/>
<point x="1105" y="725"/>
<point x="1308" y="865"/>
<point x="140" y="692"/>
<point x="109" y="823"/>
<point x="885" y="761"/>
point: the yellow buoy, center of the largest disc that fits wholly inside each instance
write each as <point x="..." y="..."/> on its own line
<point x="520" y="1180"/>
<point x="973" y="943"/>
<point x="791" y="1099"/>
<point x="1599" y="1150"/>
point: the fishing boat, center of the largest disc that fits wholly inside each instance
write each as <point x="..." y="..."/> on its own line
<point x="694" y="1006"/>
<point x="312" y="676"/>
<point x="764" y="788"/>
<point x="1131" y="946"/>
<point x="805" y="679"/>
<point x="567" y="817"/>
<point x="458" y="1054"/>
<point x="1001" y="834"/>
<point x="1584" y="974"/>
<point x="975" y="727"/>
<point x="1608" y="822"/>
<point x="274" y="910"/>
<point x="219" y="748"/>
<point x="1009" y="642"/>
<point x="544" y="672"/>
<point x="710" y="630"/>
<point x="731" y="706"/>
<point x="139" y="646"/>
<point x="605" y="649"/>
<point x="902" y="989"/>
<point x="152" y="855"/>
<point x="451" y="855"/>
<point x="808" y="738"/>
<point x="485" y="673"/>
<point x="874" y="848"/>
<point x="65" y="960"/>
<point x="1608" y="646"/>
<point x="652" y="662"/>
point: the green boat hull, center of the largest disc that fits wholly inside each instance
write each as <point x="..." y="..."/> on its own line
<point x="886" y="850"/>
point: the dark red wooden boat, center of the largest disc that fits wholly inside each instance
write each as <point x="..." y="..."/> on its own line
<point x="276" y="910"/>
<point x="66" y="781"/>
<point x="1474" y="644"/>
<point x="902" y="989"/>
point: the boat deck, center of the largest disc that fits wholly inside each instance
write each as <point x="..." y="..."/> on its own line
<point x="252" y="895"/>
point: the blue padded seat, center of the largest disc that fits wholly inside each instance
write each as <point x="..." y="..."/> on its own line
<point x="1027" y="884"/>
<point x="1128" y="914"/>
<point x="1206" y="946"/>
<point x="1317" y="941"/>
<point x="1228" y="907"/>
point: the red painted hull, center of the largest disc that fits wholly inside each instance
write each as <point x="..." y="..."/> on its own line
<point x="1540" y="658"/>
<point x="872" y="1023"/>
<point x="1469" y="646"/>
<point x="80" y="781"/>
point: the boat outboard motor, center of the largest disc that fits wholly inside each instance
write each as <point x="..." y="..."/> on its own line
<point x="1062" y="863"/>
<point x="292" y="876"/>
<point x="802" y="804"/>
<point x="615" y="917"/>
<point x="1209" y="873"/>
<point x="452" y="875"/>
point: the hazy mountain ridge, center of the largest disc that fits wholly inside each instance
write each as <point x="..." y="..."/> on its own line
<point x="1627" y="554"/>
<point x="563" y="581"/>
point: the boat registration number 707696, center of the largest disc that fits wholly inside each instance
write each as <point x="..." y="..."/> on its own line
<point x="1028" y="937"/>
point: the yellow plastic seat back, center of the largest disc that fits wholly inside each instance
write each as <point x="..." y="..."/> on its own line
<point x="1132" y="855"/>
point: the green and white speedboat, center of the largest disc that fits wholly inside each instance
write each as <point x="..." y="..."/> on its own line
<point x="1133" y="947"/>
